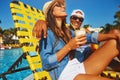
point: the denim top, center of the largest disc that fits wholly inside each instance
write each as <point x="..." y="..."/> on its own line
<point x="48" y="49"/>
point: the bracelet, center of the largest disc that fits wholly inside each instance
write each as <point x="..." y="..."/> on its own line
<point x="68" y="47"/>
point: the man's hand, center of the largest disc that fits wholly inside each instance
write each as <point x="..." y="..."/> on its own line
<point x="40" y="28"/>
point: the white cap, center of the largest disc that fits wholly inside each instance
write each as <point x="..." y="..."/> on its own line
<point x="78" y="12"/>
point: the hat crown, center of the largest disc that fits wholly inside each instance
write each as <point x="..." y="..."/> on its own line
<point x="46" y="6"/>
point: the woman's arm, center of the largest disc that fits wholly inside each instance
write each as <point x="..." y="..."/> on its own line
<point x="48" y="56"/>
<point x="51" y="58"/>
<point x="71" y="45"/>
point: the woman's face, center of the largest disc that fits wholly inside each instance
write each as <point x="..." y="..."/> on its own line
<point x="59" y="10"/>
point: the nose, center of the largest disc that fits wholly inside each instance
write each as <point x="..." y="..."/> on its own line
<point x="77" y="19"/>
<point x="63" y="6"/>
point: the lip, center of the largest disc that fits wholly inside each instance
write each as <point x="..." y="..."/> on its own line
<point x="63" y="10"/>
<point x="76" y="24"/>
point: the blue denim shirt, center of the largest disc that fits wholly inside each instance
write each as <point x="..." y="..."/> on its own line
<point x="48" y="49"/>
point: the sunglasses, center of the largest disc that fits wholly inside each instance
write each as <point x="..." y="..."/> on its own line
<point x="75" y="18"/>
<point x="59" y="4"/>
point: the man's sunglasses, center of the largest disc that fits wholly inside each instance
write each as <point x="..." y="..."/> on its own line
<point x="75" y="18"/>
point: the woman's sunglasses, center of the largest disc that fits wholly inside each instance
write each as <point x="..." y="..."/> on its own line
<point x="75" y="18"/>
<point x="59" y="4"/>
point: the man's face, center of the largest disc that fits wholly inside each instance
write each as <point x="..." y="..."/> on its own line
<point x="76" y="20"/>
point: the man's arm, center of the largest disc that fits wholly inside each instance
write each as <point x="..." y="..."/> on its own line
<point x="39" y="29"/>
<point x="104" y="37"/>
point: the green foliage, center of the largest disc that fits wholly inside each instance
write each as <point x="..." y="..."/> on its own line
<point x="1" y="30"/>
<point x="117" y="18"/>
<point x="86" y="26"/>
<point x="117" y="15"/>
<point x="7" y="31"/>
<point x="116" y="24"/>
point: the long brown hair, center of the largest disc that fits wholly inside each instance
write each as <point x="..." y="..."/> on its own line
<point x="52" y="24"/>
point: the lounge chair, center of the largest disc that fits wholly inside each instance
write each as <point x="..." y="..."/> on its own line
<point x="24" y="17"/>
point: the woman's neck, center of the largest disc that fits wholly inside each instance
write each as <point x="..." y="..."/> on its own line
<point x="59" y="22"/>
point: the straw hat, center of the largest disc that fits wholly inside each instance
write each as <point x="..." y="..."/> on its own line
<point x="48" y="5"/>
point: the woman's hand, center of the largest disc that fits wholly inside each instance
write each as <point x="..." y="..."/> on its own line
<point x="77" y="42"/>
<point x="39" y="29"/>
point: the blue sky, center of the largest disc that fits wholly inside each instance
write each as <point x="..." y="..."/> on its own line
<point x="97" y="12"/>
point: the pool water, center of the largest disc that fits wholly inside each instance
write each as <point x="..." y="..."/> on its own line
<point x="7" y="58"/>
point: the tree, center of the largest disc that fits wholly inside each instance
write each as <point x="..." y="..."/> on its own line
<point x="12" y="30"/>
<point x="1" y="31"/>
<point x="6" y="32"/>
<point x="102" y="29"/>
<point x="86" y="28"/>
<point x="108" y="27"/>
<point x="117" y="17"/>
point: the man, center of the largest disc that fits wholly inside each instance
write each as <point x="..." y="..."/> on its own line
<point x="76" y="20"/>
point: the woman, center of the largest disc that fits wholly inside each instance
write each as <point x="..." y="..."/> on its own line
<point x="76" y="20"/>
<point x="58" y="49"/>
